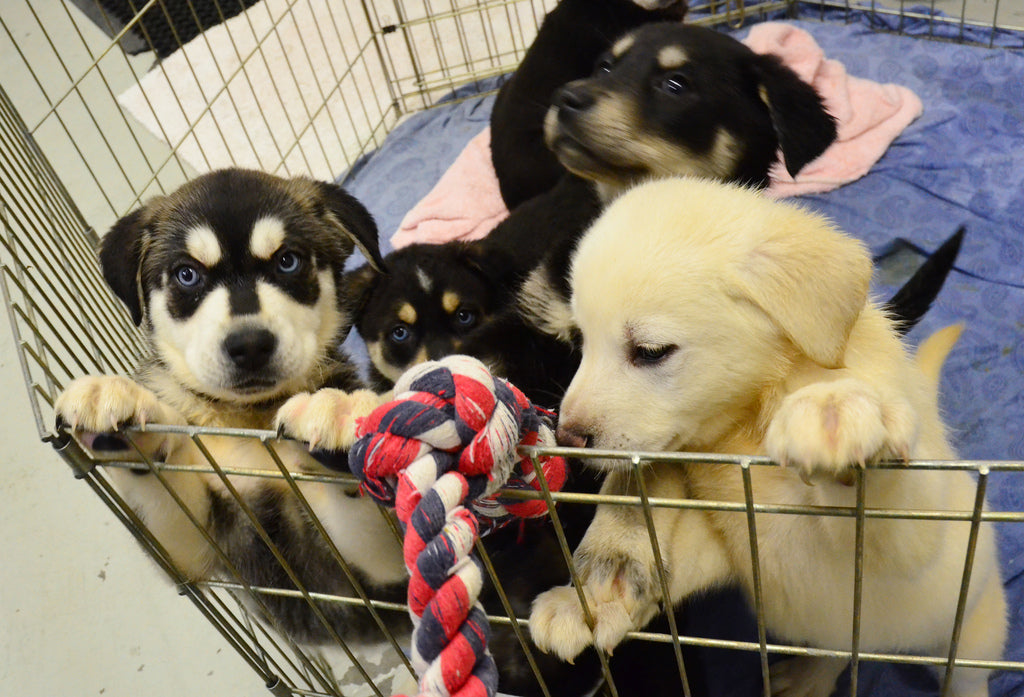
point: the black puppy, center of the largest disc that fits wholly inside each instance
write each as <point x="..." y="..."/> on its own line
<point x="670" y="99"/>
<point x="570" y="39"/>
<point x="460" y="297"/>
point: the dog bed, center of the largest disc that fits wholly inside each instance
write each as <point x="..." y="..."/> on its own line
<point x="961" y="162"/>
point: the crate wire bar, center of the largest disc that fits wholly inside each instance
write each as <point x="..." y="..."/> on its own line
<point x="395" y="58"/>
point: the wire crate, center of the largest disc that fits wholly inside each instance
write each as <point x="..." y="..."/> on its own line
<point x="74" y="158"/>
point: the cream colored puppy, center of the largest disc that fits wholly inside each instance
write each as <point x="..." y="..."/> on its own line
<point x="717" y="320"/>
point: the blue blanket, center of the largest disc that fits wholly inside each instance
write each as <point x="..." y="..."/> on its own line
<point x="962" y="162"/>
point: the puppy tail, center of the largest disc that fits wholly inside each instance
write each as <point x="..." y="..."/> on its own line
<point x="933" y="351"/>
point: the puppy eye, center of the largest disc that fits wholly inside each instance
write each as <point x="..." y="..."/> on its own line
<point x="188" y="276"/>
<point x="465" y="317"/>
<point x="603" y="66"/>
<point x="675" y="84"/>
<point x="288" y="262"/>
<point x="645" y="356"/>
<point x="400" y="333"/>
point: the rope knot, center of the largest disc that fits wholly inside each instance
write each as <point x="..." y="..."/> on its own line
<point x="449" y="440"/>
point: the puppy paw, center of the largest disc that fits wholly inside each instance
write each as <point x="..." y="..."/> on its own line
<point x="619" y="602"/>
<point x="827" y="428"/>
<point x="558" y="625"/>
<point x="326" y="419"/>
<point x="98" y="406"/>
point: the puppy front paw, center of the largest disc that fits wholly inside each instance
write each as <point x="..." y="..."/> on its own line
<point x="102" y="405"/>
<point x="326" y="419"/>
<point x="827" y="428"/>
<point x="558" y="625"/>
<point x="619" y="602"/>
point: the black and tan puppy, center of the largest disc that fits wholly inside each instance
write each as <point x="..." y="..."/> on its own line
<point x="568" y="43"/>
<point x="431" y="298"/>
<point x="235" y="279"/>
<point x="670" y="99"/>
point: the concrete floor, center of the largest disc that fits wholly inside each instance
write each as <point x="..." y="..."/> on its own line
<point x="82" y="611"/>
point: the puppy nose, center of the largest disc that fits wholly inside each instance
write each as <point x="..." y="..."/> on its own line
<point x="573" y="99"/>
<point x="250" y="349"/>
<point x="572" y="437"/>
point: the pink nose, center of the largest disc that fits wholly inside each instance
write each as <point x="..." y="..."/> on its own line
<point x="572" y="437"/>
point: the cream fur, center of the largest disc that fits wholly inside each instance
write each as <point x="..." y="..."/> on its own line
<point x="771" y="347"/>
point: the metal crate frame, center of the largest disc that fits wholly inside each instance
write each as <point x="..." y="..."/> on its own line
<point x="66" y="324"/>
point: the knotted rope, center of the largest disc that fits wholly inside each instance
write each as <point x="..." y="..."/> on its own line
<point x="449" y="439"/>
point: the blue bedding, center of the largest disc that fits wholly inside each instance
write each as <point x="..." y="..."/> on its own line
<point x="962" y="162"/>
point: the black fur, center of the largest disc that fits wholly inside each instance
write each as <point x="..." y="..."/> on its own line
<point x="915" y="298"/>
<point x="571" y="38"/>
<point x="306" y="555"/>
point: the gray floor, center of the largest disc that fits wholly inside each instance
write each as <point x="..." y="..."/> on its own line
<point x="82" y="611"/>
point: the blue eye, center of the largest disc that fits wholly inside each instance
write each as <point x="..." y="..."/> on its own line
<point x="400" y="333"/>
<point x="288" y="262"/>
<point x="188" y="276"/>
<point x="465" y="317"/>
<point x="675" y="84"/>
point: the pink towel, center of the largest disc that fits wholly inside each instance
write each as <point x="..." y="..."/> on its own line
<point x="466" y="203"/>
<point x="869" y="115"/>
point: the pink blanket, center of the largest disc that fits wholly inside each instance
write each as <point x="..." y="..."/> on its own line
<point x="466" y="203"/>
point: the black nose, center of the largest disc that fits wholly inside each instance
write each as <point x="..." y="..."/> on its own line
<point x="573" y="98"/>
<point x="572" y="437"/>
<point x="250" y="349"/>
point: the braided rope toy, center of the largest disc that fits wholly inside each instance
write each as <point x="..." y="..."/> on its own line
<point x="449" y="440"/>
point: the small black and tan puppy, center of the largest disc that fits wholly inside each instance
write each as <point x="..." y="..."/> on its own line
<point x="568" y="43"/>
<point x="671" y="99"/>
<point x="430" y="299"/>
<point x="235" y="280"/>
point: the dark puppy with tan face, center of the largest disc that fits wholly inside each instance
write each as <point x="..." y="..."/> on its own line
<point x="671" y="99"/>
<point x="430" y="299"/>
<point x="570" y="39"/>
<point x="235" y="280"/>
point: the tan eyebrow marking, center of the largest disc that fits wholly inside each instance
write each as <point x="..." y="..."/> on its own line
<point x="623" y="45"/>
<point x="266" y="238"/>
<point x="671" y="57"/>
<point x="450" y="301"/>
<point x="203" y="246"/>
<point x="407" y="313"/>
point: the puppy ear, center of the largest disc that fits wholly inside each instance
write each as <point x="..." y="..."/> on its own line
<point x="121" y="259"/>
<point x="813" y="285"/>
<point x="802" y="125"/>
<point x="496" y="268"/>
<point x="356" y="288"/>
<point x="346" y="212"/>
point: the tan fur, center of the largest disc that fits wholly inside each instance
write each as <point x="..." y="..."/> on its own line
<point x="769" y="345"/>
<point x="450" y="301"/>
<point x="407" y="313"/>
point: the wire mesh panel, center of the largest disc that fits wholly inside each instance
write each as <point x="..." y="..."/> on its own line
<point x="302" y="87"/>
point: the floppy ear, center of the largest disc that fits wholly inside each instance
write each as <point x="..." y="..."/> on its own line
<point x="344" y="211"/>
<point x="496" y="268"/>
<point x="121" y="259"/>
<point x="813" y="285"/>
<point x="356" y="288"/>
<point x="802" y="125"/>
